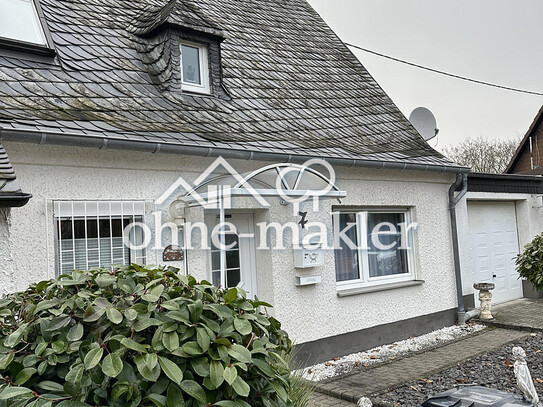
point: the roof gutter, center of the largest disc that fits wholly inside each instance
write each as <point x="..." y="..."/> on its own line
<point x="14" y="200"/>
<point x="101" y="142"/>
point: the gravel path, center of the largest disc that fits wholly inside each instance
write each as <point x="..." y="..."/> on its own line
<point x="380" y="354"/>
<point x="492" y="370"/>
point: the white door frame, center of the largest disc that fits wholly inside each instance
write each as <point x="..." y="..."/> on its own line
<point x="247" y="247"/>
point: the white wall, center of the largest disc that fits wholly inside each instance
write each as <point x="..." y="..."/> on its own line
<point x="7" y="275"/>
<point x="308" y="313"/>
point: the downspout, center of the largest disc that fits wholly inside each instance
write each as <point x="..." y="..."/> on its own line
<point x="460" y="185"/>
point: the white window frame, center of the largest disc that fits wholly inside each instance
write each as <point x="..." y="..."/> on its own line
<point x="41" y="30"/>
<point x="204" y="68"/>
<point x="86" y="210"/>
<point x="364" y="279"/>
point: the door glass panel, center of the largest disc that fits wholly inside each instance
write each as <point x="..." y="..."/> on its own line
<point x="233" y="272"/>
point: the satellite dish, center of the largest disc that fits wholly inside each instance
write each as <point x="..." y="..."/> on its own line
<point x="424" y="122"/>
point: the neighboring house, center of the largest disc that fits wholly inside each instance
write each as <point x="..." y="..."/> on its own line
<point x="104" y="104"/>
<point x="528" y="156"/>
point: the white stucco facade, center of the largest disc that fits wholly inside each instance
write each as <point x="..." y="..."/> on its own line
<point x="308" y="313"/>
<point x="7" y="272"/>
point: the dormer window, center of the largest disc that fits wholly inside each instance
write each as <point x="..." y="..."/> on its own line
<point x="19" y="21"/>
<point x="194" y="67"/>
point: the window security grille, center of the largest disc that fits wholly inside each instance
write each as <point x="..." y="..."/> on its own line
<point x="92" y="234"/>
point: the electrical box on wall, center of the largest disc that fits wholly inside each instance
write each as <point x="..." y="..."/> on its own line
<point x="307" y="280"/>
<point x="305" y="258"/>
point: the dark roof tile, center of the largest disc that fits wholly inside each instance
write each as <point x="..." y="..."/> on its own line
<point x="293" y="86"/>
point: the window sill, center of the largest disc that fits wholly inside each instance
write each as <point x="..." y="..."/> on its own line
<point x="345" y="292"/>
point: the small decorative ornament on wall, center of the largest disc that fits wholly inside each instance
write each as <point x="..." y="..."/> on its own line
<point x="173" y="253"/>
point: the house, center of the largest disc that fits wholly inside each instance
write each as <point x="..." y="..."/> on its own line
<point x="123" y="118"/>
<point x="527" y="157"/>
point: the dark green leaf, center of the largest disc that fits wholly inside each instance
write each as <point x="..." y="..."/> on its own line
<point x="24" y="375"/>
<point x="114" y="315"/>
<point x="242" y="326"/>
<point x="216" y="373"/>
<point x="93" y="357"/>
<point x="13" y="391"/>
<point x="112" y="365"/>
<point x="93" y="314"/>
<point x="48" y="385"/>
<point x="58" y="323"/>
<point x="193" y="389"/>
<point x="231" y="295"/>
<point x="230" y="374"/>
<point x="6" y="360"/>
<point x="15" y="338"/>
<point x="171" y="369"/>
<point x="149" y="374"/>
<point x="75" y="333"/>
<point x="241" y="387"/>
<point x="171" y="341"/>
<point x="131" y="344"/>
<point x="174" y="397"/>
<point x="240" y="353"/>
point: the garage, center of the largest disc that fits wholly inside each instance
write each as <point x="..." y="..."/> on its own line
<point x="494" y="243"/>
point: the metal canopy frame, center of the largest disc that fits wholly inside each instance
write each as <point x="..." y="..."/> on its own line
<point x="240" y="186"/>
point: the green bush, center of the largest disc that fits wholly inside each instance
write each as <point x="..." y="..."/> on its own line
<point x="139" y="336"/>
<point x="530" y="262"/>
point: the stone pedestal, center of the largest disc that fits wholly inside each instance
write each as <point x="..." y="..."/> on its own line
<point x="485" y="296"/>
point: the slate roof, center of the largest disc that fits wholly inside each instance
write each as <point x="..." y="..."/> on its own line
<point x="293" y="86"/>
<point x="10" y="192"/>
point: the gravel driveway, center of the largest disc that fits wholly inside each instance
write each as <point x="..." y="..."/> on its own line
<point x="492" y="370"/>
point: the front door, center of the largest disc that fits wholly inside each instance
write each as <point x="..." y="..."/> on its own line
<point x="240" y="257"/>
<point x="493" y="246"/>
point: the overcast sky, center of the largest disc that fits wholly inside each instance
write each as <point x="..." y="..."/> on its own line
<point x="498" y="41"/>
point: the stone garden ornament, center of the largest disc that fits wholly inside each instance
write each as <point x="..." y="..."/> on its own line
<point x="485" y="296"/>
<point x="524" y="378"/>
<point x="364" y="402"/>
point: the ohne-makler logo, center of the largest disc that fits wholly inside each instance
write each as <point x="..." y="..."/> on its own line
<point x="293" y="184"/>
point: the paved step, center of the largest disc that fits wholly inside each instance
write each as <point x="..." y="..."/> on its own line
<point x="372" y="381"/>
<point x="521" y="314"/>
<point x="322" y="400"/>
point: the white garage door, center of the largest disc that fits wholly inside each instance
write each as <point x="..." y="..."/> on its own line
<point x="493" y="246"/>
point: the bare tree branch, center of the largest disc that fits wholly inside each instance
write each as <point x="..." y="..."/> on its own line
<point x="483" y="154"/>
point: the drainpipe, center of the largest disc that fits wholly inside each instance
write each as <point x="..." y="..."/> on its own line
<point x="461" y="185"/>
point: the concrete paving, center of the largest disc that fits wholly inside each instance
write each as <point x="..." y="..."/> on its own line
<point x="523" y="314"/>
<point x="372" y="381"/>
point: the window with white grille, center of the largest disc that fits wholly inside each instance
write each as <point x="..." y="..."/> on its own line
<point x="92" y="234"/>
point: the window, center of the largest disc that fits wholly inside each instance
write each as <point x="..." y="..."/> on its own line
<point x="194" y="67"/>
<point x="92" y="234"/>
<point x="373" y="247"/>
<point x="19" y="21"/>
